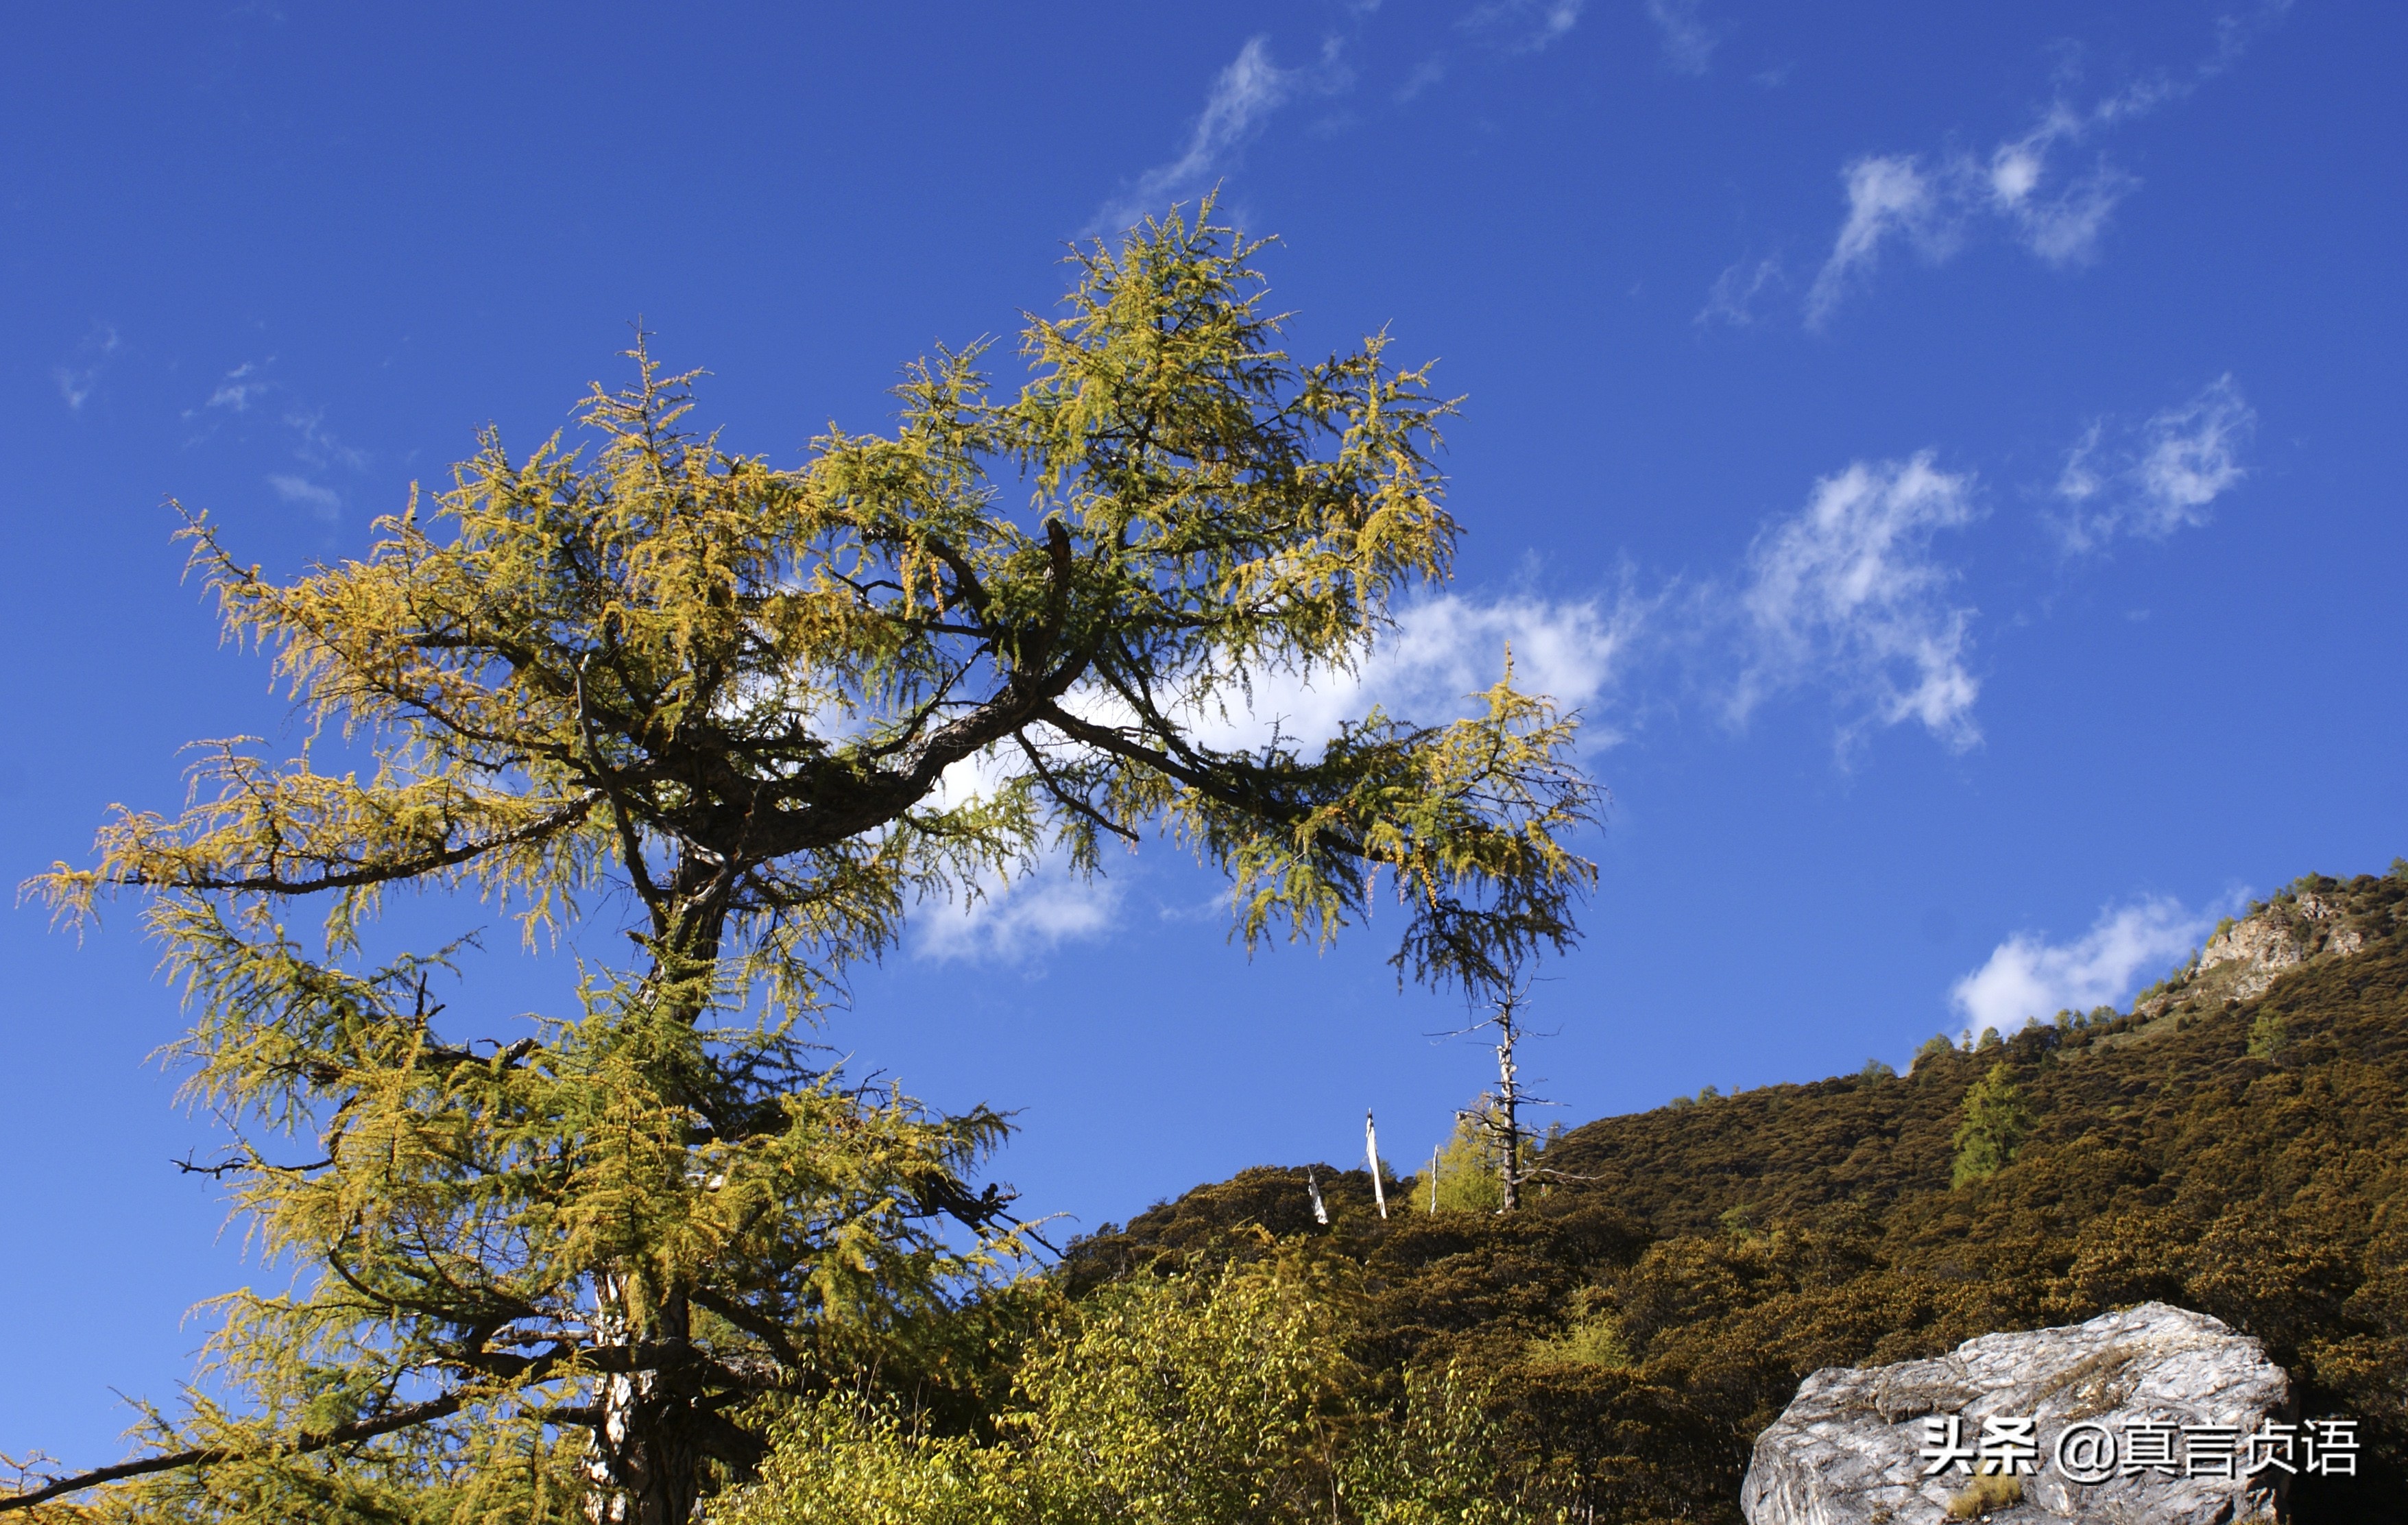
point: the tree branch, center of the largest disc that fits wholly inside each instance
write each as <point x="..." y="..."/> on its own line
<point x="206" y="1456"/>
<point x="359" y="878"/>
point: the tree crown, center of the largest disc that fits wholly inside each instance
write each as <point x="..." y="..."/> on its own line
<point x="770" y="710"/>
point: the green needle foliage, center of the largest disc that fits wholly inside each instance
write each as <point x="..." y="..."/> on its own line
<point x="763" y="714"/>
<point x="1994" y="1122"/>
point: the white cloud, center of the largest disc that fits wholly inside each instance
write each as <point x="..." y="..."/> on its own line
<point x="1891" y="197"/>
<point x="2158" y="478"/>
<point x="1013" y="922"/>
<point x="1429" y="72"/>
<point x="2064" y="229"/>
<point x="1444" y="650"/>
<point x="1009" y="918"/>
<point x="1849" y="595"/>
<point x="1688" y="42"/>
<point x="1243" y="94"/>
<point x="241" y="389"/>
<point x="1887" y="195"/>
<point x="323" y="501"/>
<point x="2061" y="226"/>
<point x="2028" y="976"/>
<point x="316" y="445"/>
<point x="1736" y="290"/>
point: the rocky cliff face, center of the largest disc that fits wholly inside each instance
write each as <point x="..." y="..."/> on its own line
<point x="2245" y="959"/>
<point x="2172" y="1392"/>
<point x="2286" y="934"/>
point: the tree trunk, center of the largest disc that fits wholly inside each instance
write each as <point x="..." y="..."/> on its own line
<point x="642" y="1466"/>
<point x="1509" y="1107"/>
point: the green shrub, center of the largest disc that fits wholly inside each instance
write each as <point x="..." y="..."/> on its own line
<point x="1467" y="1177"/>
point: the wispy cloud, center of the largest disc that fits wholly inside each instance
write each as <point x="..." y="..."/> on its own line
<point x="1849" y="595"/>
<point x="1688" y="42"/>
<point x="242" y="386"/>
<point x="2157" y="477"/>
<point x="324" y="502"/>
<point x="2029" y="976"/>
<point x="1012" y="922"/>
<point x="2030" y="186"/>
<point x="240" y="394"/>
<point x="1524" y="26"/>
<point x="2059" y="218"/>
<point x="80" y="375"/>
<point x="1736" y="291"/>
<point x="1242" y="96"/>
<point x="314" y="444"/>
<point x="1429" y="71"/>
<point x="1888" y="196"/>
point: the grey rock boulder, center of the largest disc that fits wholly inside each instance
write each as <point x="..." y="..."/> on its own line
<point x="1851" y="1449"/>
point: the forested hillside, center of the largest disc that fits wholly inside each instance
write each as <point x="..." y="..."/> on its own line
<point x="2236" y="1144"/>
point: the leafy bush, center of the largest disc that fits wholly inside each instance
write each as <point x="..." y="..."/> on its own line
<point x="1467" y="1177"/>
<point x="1206" y="1398"/>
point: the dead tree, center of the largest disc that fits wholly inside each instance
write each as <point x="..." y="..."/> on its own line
<point x="1498" y="1114"/>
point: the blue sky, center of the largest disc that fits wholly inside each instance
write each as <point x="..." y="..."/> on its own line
<point x="1951" y="454"/>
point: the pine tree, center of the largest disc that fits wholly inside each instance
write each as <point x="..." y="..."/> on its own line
<point x="761" y="713"/>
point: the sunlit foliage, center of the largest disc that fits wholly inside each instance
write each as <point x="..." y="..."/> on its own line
<point x="1213" y="1397"/>
<point x="752" y="717"/>
<point x="1994" y="1122"/>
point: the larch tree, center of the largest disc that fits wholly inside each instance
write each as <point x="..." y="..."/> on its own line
<point x="758" y="715"/>
<point x="1990" y="1128"/>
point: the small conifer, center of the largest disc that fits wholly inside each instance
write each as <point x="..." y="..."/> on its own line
<point x="1995" y="1121"/>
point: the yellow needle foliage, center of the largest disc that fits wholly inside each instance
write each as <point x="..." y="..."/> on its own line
<point x="761" y="713"/>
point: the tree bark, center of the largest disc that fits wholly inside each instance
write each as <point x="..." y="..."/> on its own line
<point x="1508" y="1106"/>
<point x="642" y="1465"/>
<point x="643" y="1459"/>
